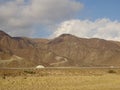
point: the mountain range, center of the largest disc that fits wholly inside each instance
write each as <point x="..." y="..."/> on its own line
<point x="65" y="50"/>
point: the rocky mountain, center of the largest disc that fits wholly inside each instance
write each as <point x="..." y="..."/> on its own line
<point x="86" y="52"/>
<point x="22" y="52"/>
<point x="65" y="50"/>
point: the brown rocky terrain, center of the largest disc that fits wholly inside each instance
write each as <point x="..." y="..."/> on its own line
<point x="65" y="50"/>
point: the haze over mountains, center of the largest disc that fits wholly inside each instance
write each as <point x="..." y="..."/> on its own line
<point x="65" y="50"/>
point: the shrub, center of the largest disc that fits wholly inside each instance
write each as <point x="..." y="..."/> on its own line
<point x="29" y="72"/>
<point x="111" y="71"/>
<point x="4" y="76"/>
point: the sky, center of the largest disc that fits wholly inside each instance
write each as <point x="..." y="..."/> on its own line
<point x="51" y="18"/>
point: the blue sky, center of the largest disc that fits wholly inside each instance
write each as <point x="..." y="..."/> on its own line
<point x="94" y="9"/>
<point x="50" y="18"/>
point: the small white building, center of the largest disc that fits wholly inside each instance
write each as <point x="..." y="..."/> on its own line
<point x="40" y="66"/>
<point x="111" y="66"/>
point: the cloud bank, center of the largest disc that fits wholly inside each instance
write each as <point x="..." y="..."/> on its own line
<point x="19" y="17"/>
<point x="101" y="28"/>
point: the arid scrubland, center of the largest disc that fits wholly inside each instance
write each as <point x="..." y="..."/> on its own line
<point x="60" y="79"/>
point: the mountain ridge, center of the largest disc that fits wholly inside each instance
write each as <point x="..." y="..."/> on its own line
<point x="64" y="50"/>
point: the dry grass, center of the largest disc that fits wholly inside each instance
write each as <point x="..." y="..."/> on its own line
<point x="91" y="79"/>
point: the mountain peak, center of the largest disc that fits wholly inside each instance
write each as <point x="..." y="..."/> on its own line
<point x="2" y="34"/>
<point x="66" y="35"/>
<point x="64" y="38"/>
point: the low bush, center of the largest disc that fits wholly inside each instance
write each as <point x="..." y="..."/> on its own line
<point x="29" y="72"/>
<point x="111" y="71"/>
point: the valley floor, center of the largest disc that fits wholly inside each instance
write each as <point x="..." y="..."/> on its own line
<point x="60" y="79"/>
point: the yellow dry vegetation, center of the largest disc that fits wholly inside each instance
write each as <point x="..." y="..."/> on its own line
<point x="62" y="82"/>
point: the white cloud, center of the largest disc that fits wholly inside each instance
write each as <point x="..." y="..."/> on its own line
<point x="20" y="15"/>
<point x="101" y="28"/>
<point x="51" y="10"/>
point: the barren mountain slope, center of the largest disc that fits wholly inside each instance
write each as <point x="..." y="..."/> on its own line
<point x="27" y="49"/>
<point x="65" y="50"/>
<point x="86" y="52"/>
